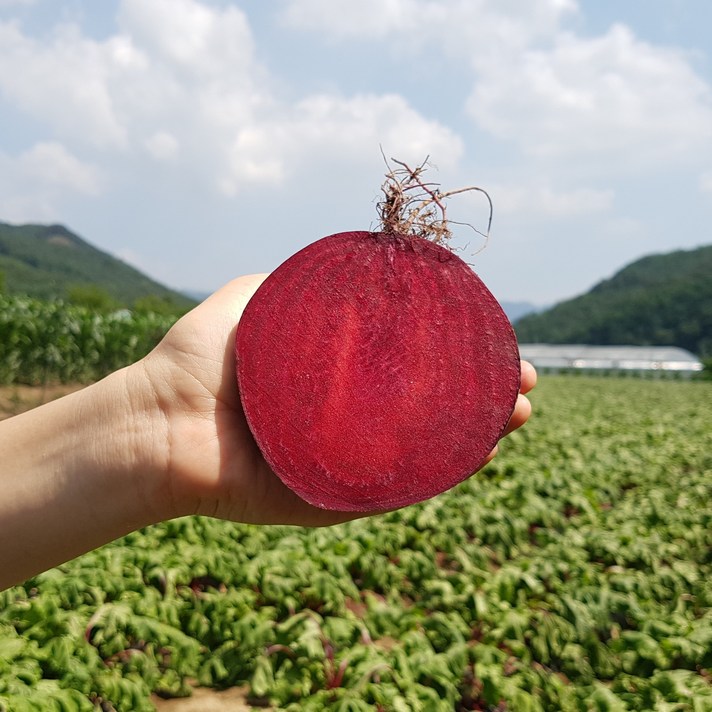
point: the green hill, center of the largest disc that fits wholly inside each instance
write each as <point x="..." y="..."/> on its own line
<point x="663" y="300"/>
<point x="49" y="261"/>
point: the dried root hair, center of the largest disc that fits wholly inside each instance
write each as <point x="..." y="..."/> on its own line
<point x="412" y="206"/>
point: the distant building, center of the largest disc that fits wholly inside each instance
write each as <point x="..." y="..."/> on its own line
<point x="640" y="360"/>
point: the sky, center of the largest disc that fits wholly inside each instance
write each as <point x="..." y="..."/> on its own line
<point x="200" y="140"/>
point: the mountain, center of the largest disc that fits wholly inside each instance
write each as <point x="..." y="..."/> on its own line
<point x="50" y="261"/>
<point x="659" y="300"/>
<point x="516" y="310"/>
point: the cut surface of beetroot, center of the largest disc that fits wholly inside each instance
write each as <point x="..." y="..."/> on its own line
<point x="375" y="371"/>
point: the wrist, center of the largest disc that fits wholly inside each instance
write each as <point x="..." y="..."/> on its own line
<point x="79" y="472"/>
<point x="131" y="444"/>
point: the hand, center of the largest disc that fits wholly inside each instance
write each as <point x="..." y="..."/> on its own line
<point x="212" y="464"/>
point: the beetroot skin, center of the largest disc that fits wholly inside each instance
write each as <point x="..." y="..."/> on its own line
<point x="375" y="370"/>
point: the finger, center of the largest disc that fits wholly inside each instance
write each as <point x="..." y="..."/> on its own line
<point x="522" y="411"/>
<point x="235" y="294"/>
<point x="528" y="377"/>
<point x="492" y="455"/>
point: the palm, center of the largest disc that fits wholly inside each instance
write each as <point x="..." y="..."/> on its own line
<point x="216" y="467"/>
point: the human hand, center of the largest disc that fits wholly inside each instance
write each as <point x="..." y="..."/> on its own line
<point x="211" y="464"/>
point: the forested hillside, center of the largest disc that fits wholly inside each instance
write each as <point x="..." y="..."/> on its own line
<point x="50" y="261"/>
<point x="657" y="300"/>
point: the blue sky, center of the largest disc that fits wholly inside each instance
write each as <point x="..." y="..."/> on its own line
<point x="203" y="139"/>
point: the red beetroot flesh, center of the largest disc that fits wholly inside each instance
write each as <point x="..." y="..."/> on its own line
<point x="375" y="371"/>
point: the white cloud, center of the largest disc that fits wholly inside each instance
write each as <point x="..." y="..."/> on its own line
<point x="34" y="183"/>
<point x="554" y="94"/>
<point x="190" y="36"/>
<point x="51" y="164"/>
<point x="162" y="145"/>
<point x="542" y="200"/>
<point x="369" y="18"/>
<point x="182" y="78"/>
<point x="322" y="128"/>
<point x="612" y="98"/>
<point x="62" y="82"/>
<point x="180" y="60"/>
<point x="442" y="23"/>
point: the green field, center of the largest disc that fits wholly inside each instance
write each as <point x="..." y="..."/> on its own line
<point x="54" y="342"/>
<point x="574" y="573"/>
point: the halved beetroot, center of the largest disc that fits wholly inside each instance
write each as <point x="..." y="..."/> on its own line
<point x="376" y="370"/>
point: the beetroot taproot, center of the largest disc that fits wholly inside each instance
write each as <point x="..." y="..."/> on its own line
<point x="375" y="370"/>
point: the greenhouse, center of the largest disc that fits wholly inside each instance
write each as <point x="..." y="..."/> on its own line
<point x="640" y="360"/>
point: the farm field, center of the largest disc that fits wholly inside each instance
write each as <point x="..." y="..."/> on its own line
<point x="51" y="342"/>
<point x="574" y="573"/>
<point x="19" y="398"/>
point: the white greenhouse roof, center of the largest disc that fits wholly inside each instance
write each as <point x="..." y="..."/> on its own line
<point x="636" y="358"/>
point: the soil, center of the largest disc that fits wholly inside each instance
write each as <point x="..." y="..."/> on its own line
<point x="17" y="399"/>
<point x="205" y="700"/>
